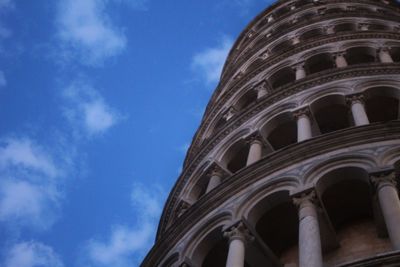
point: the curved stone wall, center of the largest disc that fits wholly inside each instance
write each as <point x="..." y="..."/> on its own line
<point x="295" y="162"/>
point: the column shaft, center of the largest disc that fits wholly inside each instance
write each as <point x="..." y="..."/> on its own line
<point x="261" y="92"/>
<point x="359" y="115"/>
<point x="236" y="253"/>
<point x="214" y="181"/>
<point x="340" y="61"/>
<point x="390" y="205"/>
<point x="384" y="56"/>
<point x="255" y="152"/>
<point x="300" y="72"/>
<point x="303" y="128"/>
<point x="310" y="252"/>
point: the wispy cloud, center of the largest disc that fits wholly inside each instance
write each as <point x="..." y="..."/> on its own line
<point x="32" y="254"/>
<point x="210" y="61"/>
<point x="86" y="31"/>
<point x="126" y="244"/>
<point x="87" y="110"/>
<point x="29" y="195"/>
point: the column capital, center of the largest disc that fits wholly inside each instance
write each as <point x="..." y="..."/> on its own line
<point x="263" y="85"/>
<point x="183" y="206"/>
<point x="299" y="65"/>
<point x="355" y="98"/>
<point x="383" y="49"/>
<point x="238" y="231"/>
<point x="215" y="169"/>
<point x="383" y="178"/>
<point x="339" y="54"/>
<point x="304" y="111"/>
<point x="230" y="112"/>
<point x="305" y="199"/>
<point x="255" y="137"/>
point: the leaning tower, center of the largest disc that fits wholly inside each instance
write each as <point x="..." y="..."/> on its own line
<point x="296" y="159"/>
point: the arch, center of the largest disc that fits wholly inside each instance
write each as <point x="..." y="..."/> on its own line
<point x="281" y="77"/>
<point x="346" y="195"/>
<point x="331" y="113"/>
<point x="319" y="62"/>
<point x="382" y="103"/>
<point x="275" y="219"/>
<point x="357" y="160"/>
<point x="312" y="34"/>
<point x="390" y="157"/>
<point x="360" y="55"/>
<point x="345" y="27"/>
<point x="247" y="99"/>
<point x="235" y="157"/>
<point x="207" y="240"/>
<point x="280" y="131"/>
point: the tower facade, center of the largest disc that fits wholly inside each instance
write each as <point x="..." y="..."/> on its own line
<point x="296" y="159"/>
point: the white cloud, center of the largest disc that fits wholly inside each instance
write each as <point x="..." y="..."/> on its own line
<point x="211" y="61"/>
<point x="3" y="81"/>
<point x="29" y="195"/>
<point x="32" y="254"/>
<point x="86" y="30"/>
<point x="24" y="153"/>
<point x="87" y="110"/>
<point x="128" y="244"/>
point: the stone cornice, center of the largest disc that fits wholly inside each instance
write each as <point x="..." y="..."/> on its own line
<point x="270" y="164"/>
<point x="234" y="123"/>
<point x="214" y="107"/>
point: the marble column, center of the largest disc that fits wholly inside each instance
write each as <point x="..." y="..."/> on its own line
<point x="363" y="26"/>
<point x="300" y="71"/>
<point x="215" y="180"/>
<point x="238" y="236"/>
<point x="255" y="151"/>
<point x="340" y="60"/>
<point x="358" y="112"/>
<point x="330" y="29"/>
<point x="261" y="90"/>
<point x="390" y="204"/>
<point x="230" y="113"/>
<point x="310" y="252"/>
<point x="384" y="56"/>
<point x="304" y="131"/>
<point x="295" y="40"/>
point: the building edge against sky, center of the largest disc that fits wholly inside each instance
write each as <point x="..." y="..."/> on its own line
<point x="296" y="159"/>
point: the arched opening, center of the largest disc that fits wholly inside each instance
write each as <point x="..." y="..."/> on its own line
<point x="212" y="251"/>
<point x="345" y="27"/>
<point x="282" y="46"/>
<point x="236" y="156"/>
<point x="312" y="34"/>
<point x="199" y="189"/>
<point x="346" y="196"/>
<point x="281" y="131"/>
<point x="395" y="53"/>
<point x="282" y="77"/>
<point x="276" y="221"/>
<point x="382" y="104"/>
<point x="331" y="113"/>
<point x="378" y="27"/>
<point x="360" y="55"/>
<point x="246" y="100"/>
<point x="319" y="63"/>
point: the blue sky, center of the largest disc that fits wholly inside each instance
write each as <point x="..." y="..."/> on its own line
<point x="99" y="100"/>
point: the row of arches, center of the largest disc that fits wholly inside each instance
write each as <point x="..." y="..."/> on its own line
<point x="310" y="65"/>
<point x="313" y="31"/>
<point x="351" y="217"/>
<point x="324" y="114"/>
